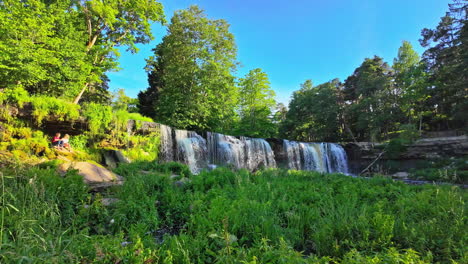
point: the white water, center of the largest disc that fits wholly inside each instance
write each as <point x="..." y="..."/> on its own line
<point x="322" y="157"/>
<point x="167" y="144"/>
<point x="249" y="153"/>
<point x="191" y="150"/>
<point x="243" y="152"/>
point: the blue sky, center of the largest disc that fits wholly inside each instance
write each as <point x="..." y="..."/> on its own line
<point x="295" y="40"/>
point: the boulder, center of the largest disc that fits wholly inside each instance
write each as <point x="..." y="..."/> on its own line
<point x="120" y="157"/>
<point x="401" y="175"/>
<point x="92" y="173"/>
<point x="111" y="157"/>
<point x="182" y="182"/>
<point x="109" y="201"/>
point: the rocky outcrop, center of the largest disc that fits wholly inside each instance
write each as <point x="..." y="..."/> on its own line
<point x="361" y="154"/>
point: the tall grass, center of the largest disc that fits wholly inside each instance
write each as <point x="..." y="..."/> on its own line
<point x="222" y="216"/>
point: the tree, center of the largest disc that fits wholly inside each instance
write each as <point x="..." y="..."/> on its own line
<point x="111" y="24"/>
<point x="256" y="102"/>
<point x="411" y="84"/>
<point x="123" y="102"/>
<point x="191" y="82"/>
<point x="63" y="48"/>
<point x="372" y="109"/>
<point x="314" y="113"/>
<point x="38" y="48"/>
<point x="447" y="60"/>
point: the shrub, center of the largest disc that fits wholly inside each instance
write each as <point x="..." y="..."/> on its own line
<point x="45" y="107"/>
<point x="14" y="95"/>
<point x="98" y="117"/>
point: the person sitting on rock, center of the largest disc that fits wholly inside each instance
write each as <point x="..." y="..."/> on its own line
<point x="65" y="142"/>
<point x="56" y="140"/>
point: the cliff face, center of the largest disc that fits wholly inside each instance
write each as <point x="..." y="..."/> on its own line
<point x="361" y="154"/>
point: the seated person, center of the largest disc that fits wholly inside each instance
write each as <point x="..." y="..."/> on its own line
<point x="65" y="142"/>
<point x="56" y="140"/>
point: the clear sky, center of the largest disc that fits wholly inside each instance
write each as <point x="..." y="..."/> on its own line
<point x="295" y="40"/>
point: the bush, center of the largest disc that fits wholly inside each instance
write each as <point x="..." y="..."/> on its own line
<point x="98" y="117"/>
<point x="14" y="95"/>
<point x="45" y="107"/>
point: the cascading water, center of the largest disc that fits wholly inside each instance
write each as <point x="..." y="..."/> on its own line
<point x="224" y="150"/>
<point x="250" y="153"/>
<point x="191" y="150"/>
<point x="167" y="143"/>
<point x="258" y="154"/>
<point x="322" y="157"/>
<point x="338" y="158"/>
<point x="293" y="152"/>
<point x="313" y="160"/>
<point x="243" y="152"/>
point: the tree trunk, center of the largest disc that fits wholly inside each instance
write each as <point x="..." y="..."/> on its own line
<point x="78" y="98"/>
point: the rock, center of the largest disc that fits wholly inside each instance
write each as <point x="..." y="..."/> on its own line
<point x="182" y="182"/>
<point x="109" y="159"/>
<point x="174" y="176"/>
<point x="401" y="175"/>
<point x="109" y="201"/>
<point x="120" y="157"/>
<point x="92" y="174"/>
<point x="112" y="157"/>
<point x="361" y="154"/>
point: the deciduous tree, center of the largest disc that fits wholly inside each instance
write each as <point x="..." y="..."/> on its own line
<point x="191" y="82"/>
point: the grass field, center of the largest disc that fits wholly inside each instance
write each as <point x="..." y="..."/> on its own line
<point x="222" y="216"/>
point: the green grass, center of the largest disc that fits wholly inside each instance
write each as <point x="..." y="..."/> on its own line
<point x="222" y="216"/>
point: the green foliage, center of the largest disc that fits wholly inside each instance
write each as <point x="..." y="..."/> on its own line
<point x="256" y="102"/>
<point x="412" y="83"/>
<point x="223" y="216"/>
<point x="445" y="59"/>
<point x="123" y="102"/>
<point x="98" y="117"/>
<point x="142" y="148"/>
<point x="408" y="133"/>
<point x="443" y="170"/>
<point x="24" y="142"/>
<point x="51" y="108"/>
<point x="14" y="95"/>
<point x="372" y="112"/>
<point x="314" y="113"/>
<point x="62" y="48"/>
<point x="191" y="82"/>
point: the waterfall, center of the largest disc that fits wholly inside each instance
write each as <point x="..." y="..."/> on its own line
<point x="293" y="152"/>
<point x="191" y="150"/>
<point x="166" y="152"/>
<point x="259" y="154"/>
<point x="225" y="150"/>
<point x="247" y="153"/>
<point x="312" y="157"/>
<point x="322" y="157"/>
<point x="339" y="158"/>
<point x="243" y="152"/>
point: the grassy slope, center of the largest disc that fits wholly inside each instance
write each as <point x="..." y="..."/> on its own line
<point x="229" y="217"/>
